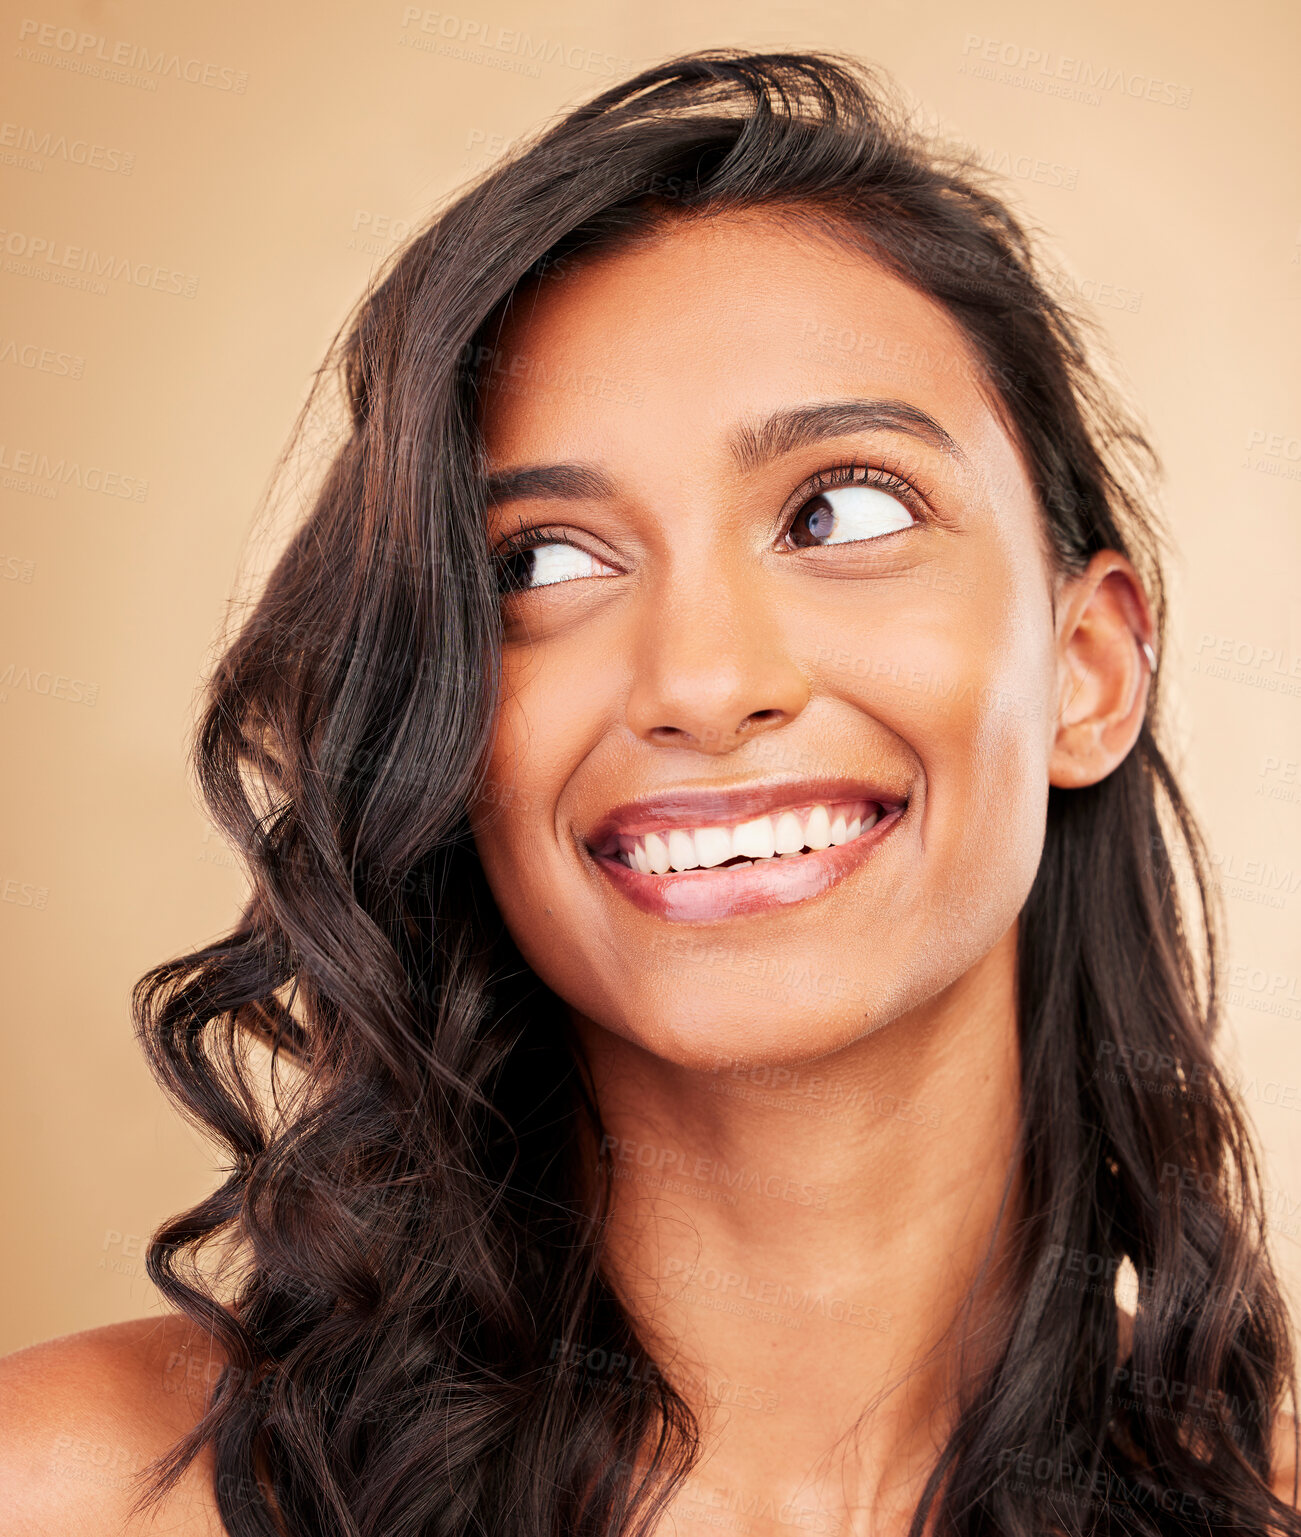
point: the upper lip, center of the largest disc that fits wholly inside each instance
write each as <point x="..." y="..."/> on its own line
<point x="725" y="805"/>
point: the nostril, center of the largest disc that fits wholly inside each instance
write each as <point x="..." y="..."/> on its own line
<point x="715" y="737"/>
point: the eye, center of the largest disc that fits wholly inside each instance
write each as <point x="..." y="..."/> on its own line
<point x="543" y="562"/>
<point x="845" y="513"/>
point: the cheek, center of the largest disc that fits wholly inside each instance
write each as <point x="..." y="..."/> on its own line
<point x="510" y="809"/>
<point x="519" y="833"/>
<point x="538" y="734"/>
<point x="990" y="796"/>
<point x="964" y="678"/>
<point x="544" y="729"/>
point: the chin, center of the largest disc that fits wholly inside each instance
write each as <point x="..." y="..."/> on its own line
<point x="730" y="1016"/>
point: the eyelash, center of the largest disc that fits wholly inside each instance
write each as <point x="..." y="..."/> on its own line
<point x="530" y="538"/>
<point x="856" y="475"/>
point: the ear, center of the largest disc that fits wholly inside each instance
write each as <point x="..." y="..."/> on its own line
<point x="1104" y="668"/>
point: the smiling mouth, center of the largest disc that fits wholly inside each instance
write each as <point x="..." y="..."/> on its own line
<point x="789" y="834"/>
<point x="728" y="869"/>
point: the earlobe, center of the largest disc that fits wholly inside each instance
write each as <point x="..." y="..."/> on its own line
<point x="1104" y="668"/>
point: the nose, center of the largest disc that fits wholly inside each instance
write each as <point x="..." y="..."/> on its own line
<point x="713" y="667"/>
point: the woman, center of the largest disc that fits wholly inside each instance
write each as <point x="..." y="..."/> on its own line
<point x="740" y="1041"/>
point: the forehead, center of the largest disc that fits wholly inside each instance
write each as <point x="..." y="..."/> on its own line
<point x="706" y="320"/>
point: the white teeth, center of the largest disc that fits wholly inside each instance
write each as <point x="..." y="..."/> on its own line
<point x="817" y="830"/>
<point x="682" y="850"/>
<point x="754" y="839"/>
<point x="713" y="846"/>
<point x="789" y="835"/>
<point x="786" y="836"/>
<point x="657" y="852"/>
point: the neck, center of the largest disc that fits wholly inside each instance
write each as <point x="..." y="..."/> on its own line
<point x="794" y="1245"/>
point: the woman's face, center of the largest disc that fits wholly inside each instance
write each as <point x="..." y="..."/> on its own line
<point x="785" y="589"/>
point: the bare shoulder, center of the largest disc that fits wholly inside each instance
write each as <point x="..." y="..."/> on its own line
<point x="1284" y="1459"/>
<point x="82" y="1416"/>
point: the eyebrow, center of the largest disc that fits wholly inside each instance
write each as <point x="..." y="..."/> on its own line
<point x="752" y="446"/>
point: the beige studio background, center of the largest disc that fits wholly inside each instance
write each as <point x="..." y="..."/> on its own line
<point x="253" y="162"/>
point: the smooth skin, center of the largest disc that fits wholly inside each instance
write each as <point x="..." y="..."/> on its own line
<point x="812" y="1107"/>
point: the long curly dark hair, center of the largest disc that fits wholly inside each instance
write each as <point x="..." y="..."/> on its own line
<point x="409" y="1294"/>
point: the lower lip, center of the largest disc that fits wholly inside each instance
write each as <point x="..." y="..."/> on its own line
<point x="701" y="896"/>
